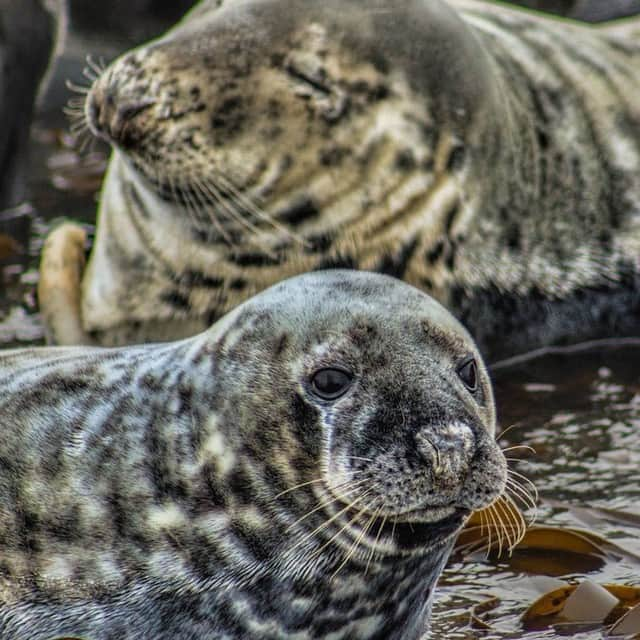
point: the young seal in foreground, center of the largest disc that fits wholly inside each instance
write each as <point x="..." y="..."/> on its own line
<point x="487" y="155"/>
<point x="300" y="470"/>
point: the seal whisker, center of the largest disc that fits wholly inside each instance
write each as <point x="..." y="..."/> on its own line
<point x="510" y="521"/>
<point x="192" y="211"/>
<point x="520" y="522"/>
<point x="521" y="492"/>
<point x="97" y="66"/>
<point x="325" y="504"/>
<point x="375" y="544"/>
<point x="89" y="74"/>
<point x="356" y="543"/>
<point x="77" y="88"/>
<point x="491" y="531"/>
<point x="492" y="518"/>
<point x="298" y="486"/>
<point x="258" y="212"/>
<point x="524" y="481"/>
<point x="229" y="207"/>
<point x="200" y="196"/>
<point x="526" y="447"/>
<point x="504" y="522"/>
<point x="345" y="526"/>
<point x="506" y="430"/>
<point x="304" y="484"/>
<point x="393" y="528"/>
<point x="484" y="520"/>
<point x="527" y="503"/>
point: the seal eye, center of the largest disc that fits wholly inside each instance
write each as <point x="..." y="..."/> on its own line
<point x="330" y="384"/>
<point x="468" y="373"/>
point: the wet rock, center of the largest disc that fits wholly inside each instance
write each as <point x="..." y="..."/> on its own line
<point x="28" y="32"/>
<point x="599" y="11"/>
<point x="135" y="20"/>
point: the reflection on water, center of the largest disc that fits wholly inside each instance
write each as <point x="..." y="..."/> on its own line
<point x="580" y="412"/>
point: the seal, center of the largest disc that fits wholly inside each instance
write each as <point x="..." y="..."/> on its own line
<point x="300" y="470"/>
<point x="489" y="156"/>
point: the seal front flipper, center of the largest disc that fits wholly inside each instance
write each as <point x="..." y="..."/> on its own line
<point x="61" y="268"/>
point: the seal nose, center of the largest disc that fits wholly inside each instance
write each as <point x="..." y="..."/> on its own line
<point x="112" y="117"/>
<point x="448" y="451"/>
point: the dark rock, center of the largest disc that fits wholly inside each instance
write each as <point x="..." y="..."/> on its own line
<point x="27" y="37"/>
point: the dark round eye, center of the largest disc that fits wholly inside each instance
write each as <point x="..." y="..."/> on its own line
<point x="330" y="384"/>
<point x="468" y="373"/>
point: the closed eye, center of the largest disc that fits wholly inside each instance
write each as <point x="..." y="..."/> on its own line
<point x="312" y="79"/>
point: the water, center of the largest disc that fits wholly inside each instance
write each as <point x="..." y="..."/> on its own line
<point x="579" y="411"/>
<point x="581" y="414"/>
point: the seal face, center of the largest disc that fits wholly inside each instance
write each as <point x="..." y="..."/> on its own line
<point x="488" y="156"/>
<point x="299" y="470"/>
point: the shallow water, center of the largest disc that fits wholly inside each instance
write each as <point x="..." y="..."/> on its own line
<point x="581" y="414"/>
<point x="579" y="411"/>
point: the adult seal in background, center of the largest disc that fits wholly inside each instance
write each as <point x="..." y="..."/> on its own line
<point x="299" y="470"/>
<point x="487" y="155"/>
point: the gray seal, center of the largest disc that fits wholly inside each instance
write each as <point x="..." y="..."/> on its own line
<point x="487" y="155"/>
<point x="300" y="470"/>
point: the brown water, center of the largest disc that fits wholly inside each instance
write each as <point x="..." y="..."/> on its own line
<point x="581" y="414"/>
<point x="579" y="411"/>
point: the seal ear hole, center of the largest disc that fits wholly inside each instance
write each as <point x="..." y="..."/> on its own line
<point x="330" y="383"/>
<point x="468" y="372"/>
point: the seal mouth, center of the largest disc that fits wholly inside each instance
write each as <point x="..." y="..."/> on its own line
<point x="416" y="529"/>
<point x="410" y="535"/>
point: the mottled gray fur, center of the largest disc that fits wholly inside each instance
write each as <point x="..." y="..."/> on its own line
<point x="201" y="489"/>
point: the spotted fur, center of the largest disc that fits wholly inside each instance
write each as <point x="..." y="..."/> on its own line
<point x="200" y="489"/>
<point x="487" y="155"/>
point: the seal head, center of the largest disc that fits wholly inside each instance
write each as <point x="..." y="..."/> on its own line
<point x="247" y="133"/>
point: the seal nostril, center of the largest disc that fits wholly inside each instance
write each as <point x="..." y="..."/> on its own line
<point x="428" y="451"/>
<point x="113" y="118"/>
<point x="129" y="111"/>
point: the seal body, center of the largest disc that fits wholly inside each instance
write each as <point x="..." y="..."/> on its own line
<point x="487" y="155"/>
<point x="300" y="470"/>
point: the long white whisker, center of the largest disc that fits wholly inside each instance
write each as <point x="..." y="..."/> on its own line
<point x="229" y="208"/>
<point x="323" y="505"/>
<point x="358" y="540"/>
<point x="257" y="211"/>
<point x="348" y="524"/>
<point x="526" y="447"/>
<point x="201" y="197"/>
<point x="375" y="544"/>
